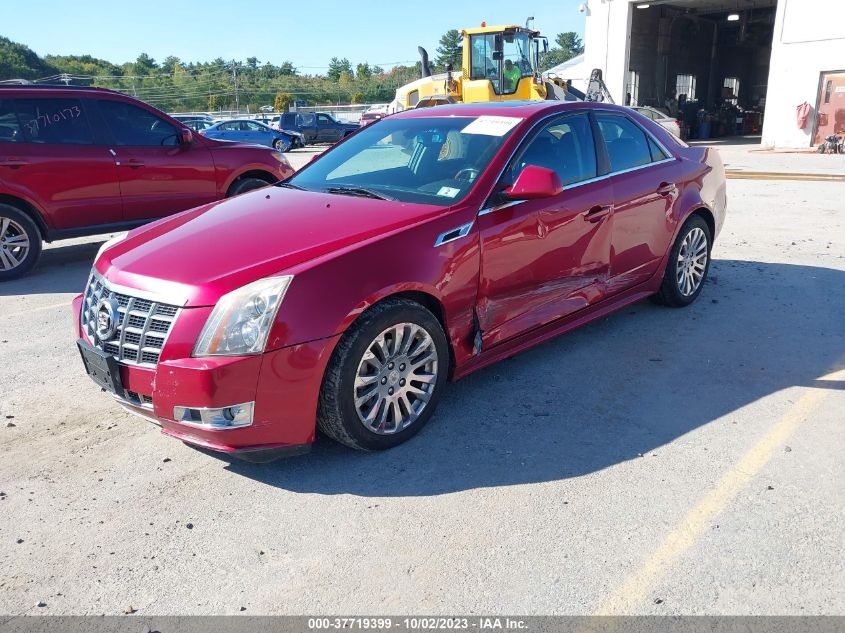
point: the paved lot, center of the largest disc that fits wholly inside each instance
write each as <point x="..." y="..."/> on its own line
<point x="659" y="461"/>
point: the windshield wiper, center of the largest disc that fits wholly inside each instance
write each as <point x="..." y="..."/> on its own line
<point x="290" y="185"/>
<point x="359" y="191"/>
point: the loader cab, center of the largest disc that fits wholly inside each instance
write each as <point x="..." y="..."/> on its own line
<point x="501" y="63"/>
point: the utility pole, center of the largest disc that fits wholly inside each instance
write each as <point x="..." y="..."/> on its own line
<point x="237" y="92"/>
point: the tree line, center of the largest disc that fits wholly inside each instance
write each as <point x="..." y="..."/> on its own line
<point x="176" y="85"/>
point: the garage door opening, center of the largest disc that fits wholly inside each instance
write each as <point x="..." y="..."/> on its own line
<point x="704" y="62"/>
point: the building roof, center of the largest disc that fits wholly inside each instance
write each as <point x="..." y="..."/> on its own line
<point x="570" y="69"/>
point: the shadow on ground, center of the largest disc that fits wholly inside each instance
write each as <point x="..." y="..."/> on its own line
<point x="609" y="392"/>
<point x="61" y="269"/>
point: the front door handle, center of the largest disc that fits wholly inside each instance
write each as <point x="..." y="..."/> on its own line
<point x="598" y="212"/>
<point x="13" y="163"/>
<point x="667" y="189"/>
<point x="134" y="163"/>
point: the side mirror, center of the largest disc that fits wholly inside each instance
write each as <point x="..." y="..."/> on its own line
<point x="186" y="137"/>
<point x="533" y="183"/>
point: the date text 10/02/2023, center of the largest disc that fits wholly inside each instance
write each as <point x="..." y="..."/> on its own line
<point x="417" y="623"/>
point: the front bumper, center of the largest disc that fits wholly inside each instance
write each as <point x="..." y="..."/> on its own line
<point x="283" y="383"/>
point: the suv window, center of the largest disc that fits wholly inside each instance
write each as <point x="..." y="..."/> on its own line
<point x="135" y="127"/>
<point x="627" y="144"/>
<point x="566" y="146"/>
<point x="324" y="120"/>
<point x="48" y="121"/>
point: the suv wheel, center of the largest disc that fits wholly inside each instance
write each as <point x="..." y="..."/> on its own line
<point x="245" y="184"/>
<point x="385" y="377"/>
<point x="20" y="242"/>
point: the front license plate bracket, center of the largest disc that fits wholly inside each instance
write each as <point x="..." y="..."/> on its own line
<point x="102" y="368"/>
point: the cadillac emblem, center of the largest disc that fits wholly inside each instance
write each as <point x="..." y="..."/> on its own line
<point x="107" y="319"/>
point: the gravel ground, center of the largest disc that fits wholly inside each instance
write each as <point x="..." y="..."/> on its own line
<point x="656" y="462"/>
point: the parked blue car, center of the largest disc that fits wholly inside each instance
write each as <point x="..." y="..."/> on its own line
<point x="249" y="131"/>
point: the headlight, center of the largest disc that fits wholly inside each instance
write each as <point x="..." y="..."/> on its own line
<point x="241" y="321"/>
<point x="109" y="244"/>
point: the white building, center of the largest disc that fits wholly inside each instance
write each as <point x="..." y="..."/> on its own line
<point x="765" y="56"/>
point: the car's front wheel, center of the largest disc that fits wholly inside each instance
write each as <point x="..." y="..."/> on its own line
<point x="385" y="377"/>
<point x="20" y="243"/>
<point x="688" y="265"/>
<point x="281" y="145"/>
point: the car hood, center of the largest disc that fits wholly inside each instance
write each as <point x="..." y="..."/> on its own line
<point x="197" y="256"/>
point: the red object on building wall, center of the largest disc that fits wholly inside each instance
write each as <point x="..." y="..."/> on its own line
<point x="803" y="113"/>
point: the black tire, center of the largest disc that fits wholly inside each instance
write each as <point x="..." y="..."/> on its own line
<point x="337" y="416"/>
<point x="670" y="293"/>
<point x="242" y="185"/>
<point x="281" y="145"/>
<point x="17" y="223"/>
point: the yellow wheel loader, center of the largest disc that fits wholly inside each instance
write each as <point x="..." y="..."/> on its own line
<point x="499" y="63"/>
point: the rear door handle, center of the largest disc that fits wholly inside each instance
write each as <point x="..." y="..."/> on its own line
<point x="598" y="212"/>
<point x="667" y="189"/>
<point x="13" y="163"/>
<point x="134" y="163"/>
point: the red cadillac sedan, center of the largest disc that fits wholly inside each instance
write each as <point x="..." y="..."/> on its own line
<point x="423" y="247"/>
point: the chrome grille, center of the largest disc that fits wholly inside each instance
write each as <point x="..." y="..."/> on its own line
<point x="143" y="325"/>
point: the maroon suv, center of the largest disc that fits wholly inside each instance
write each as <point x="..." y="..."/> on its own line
<point x="83" y="161"/>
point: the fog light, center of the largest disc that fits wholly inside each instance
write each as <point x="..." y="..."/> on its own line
<point x="234" y="416"/>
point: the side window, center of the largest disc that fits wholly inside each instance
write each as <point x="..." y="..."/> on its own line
<point x="255" y="127"/>
<point x="481" y="57"/>
<point x="135" y="127"/>
<point x="10" y="128"/>
<point x="322" y="119"/>
<point x="565" y="146"/>
<point x="657" y="154"/>
<point x="47" y="121"/>
<point x="228" y="127"/>
<point x="627" y="144"/>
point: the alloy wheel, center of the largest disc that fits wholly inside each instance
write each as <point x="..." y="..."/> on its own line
<point x="14" y="244"/>
<point x="395" y="378"/>
<point x="692" y="262"/>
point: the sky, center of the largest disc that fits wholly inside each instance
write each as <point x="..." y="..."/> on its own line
<point x="308" y="34"/>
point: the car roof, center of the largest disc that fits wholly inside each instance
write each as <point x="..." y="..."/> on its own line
<point x="523" y="109"/>
<point x="23" y="88"/>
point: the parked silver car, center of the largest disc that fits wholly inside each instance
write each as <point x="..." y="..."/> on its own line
<point x="661" y="118"/>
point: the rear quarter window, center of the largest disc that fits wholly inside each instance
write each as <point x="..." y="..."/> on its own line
<point x="47" y="121"/>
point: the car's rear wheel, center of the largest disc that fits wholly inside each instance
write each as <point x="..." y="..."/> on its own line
<point x="281" y="145"/>
<point x="20" y="243"/>
<point x="385" y="377"/>
<point x="245" y="184"/>
<point x="688" y="265"/>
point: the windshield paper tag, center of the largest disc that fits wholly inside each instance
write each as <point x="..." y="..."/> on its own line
<point x="492" y="125"/>
<point x="449" y="192"/>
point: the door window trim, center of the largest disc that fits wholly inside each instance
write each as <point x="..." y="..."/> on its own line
<point x="649" y="135"/>
<point x="602" y="161"/>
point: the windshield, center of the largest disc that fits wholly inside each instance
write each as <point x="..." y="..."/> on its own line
<point x="432" y="160"/>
